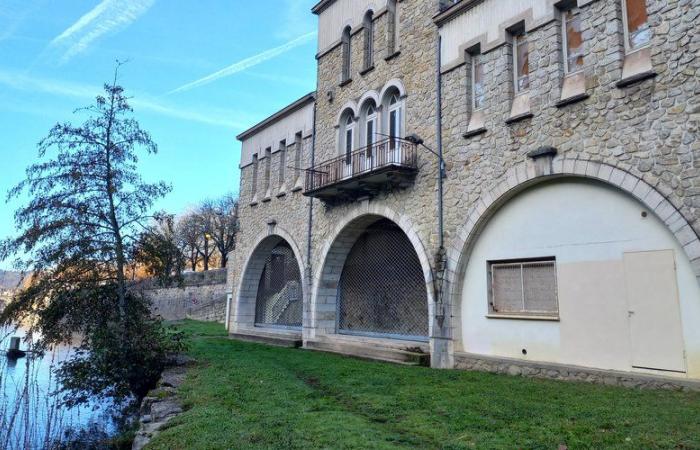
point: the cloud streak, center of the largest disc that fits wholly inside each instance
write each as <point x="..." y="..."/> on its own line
<point x="108" y="16"/>
<point x="247" y="63"/>
<point x="221" y="118"/>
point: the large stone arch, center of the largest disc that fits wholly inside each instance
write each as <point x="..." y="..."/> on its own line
<point x="545" y="168"/>
<point x="246" y="292"/>
<point x="322" y="308"/>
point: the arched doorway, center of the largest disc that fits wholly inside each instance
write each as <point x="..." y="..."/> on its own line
<point x="279" y="300"/>
<point x="382" y="289"/>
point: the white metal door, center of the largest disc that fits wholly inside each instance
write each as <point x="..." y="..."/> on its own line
<point x="654" y="314"/>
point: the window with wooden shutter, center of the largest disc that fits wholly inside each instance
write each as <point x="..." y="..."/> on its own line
<point x="525" y="287"/>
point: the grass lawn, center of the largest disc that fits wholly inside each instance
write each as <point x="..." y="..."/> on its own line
<point x="243" y="395"/>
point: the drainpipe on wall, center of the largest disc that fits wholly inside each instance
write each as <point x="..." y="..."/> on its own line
<point x="441" y="256"/>
<point x="309" y="271"/>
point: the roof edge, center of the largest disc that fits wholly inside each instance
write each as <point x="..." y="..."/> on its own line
<point x="454" y="10"/>
<point x="320" y="6"/>
<point x="297" y="105"/>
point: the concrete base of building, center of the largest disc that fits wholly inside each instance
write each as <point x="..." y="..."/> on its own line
<point x="387" y="350"/>
<point x="278" y="338"/>
<point x="536" y="369"/>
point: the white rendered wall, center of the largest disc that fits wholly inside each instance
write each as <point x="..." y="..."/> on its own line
<point x="587" y="227"/>
<point x="300" y="121"/>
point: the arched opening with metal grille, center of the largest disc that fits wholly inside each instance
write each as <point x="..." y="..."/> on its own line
<point x="279" y="299"/>
<point x="382" y="290"/>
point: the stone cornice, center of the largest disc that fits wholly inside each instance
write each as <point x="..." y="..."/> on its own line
<point x="455" y="10"/>
<point x="297" y="105"/>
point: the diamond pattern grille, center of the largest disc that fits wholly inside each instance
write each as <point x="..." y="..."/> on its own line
<point x="382" y="289"/>
<point x="279" y="301"/>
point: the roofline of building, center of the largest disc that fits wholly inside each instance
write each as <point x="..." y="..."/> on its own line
<point x="455" y="10"/>
<point x="287" y="110"/>
<point x="320" y="6"/>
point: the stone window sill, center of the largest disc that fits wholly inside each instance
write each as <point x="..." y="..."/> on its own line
<point x="392" y="56"/>
<point x="345" y="82"/>
<point x="475" y="132"/>
<point x="253" y="202"/>
<point x="267" y="199"/>
<point x="366" y="70"/>
<point x="636" y="78"/>
<point x="296" y="188"/>
<point x="281" y="194"/>
<point x="519" y="117"/>
<point x="523" y="317"/>
<point x="571" y="100"/>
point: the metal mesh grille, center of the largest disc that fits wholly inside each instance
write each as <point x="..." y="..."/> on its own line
<point x="279" y="301"/>
<point x="382" y="289"/>
<point x="524" y="287"/>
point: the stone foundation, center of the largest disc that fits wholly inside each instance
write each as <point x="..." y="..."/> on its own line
<point x="534" y="369"/>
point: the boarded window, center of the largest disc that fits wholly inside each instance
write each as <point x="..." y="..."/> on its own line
<point x="638" y="31"/>
<point x="521" y="54"/>
<point x="478" y="87"/>
<point x="523" y="287"/>
<point x="573" y="41"/>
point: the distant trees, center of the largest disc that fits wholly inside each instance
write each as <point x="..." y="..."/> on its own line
<point x="197" y="239"/>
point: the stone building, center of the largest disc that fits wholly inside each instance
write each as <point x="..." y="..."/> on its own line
<point x="507" y="185"/>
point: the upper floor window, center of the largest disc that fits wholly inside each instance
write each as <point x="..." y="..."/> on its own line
<point x="369" y="40"/>
<point x="521" y="63"/>
<point x="254" y="184"/>
<point x="370" y="125"/>
<point x="637" y="30"/>
<point x="283" y="160"/>
<point x="392" y="27"/>
<point x="347" y="54"/>
<point x="478" y="86"/>
<point x="573" y="41"/>
<point x="348" y="138"/>
<point x="395" y="112"/>
<point x="268" y="167"/>
<point x="297" y="156"/>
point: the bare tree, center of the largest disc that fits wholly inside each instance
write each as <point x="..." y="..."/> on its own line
<point x="221" y="220"/>
<point x="189" y="238"/>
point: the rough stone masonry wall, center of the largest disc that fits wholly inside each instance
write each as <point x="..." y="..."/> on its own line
<point x="416" y="206"/>
<point x="288" y="212"/>
<point x="649" y="129"/>
<point x="201" y="297"/>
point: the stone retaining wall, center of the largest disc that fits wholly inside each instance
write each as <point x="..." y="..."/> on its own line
<point x="202" y="296"/>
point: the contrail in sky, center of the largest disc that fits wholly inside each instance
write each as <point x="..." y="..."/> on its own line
<point x="247" y="63"/>
<point x="108" y="16"/>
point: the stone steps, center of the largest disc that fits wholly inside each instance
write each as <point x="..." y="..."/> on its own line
<point x="267" y="338"/>
<point x="372" y="351"/>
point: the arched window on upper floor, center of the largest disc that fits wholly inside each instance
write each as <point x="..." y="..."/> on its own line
<point x="368" y="24"/>
<point x="347" y="54"/>
<point x="347" y="135"/>
<point x="394" y="116"/>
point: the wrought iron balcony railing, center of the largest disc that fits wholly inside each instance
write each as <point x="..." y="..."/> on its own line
<point x="366" y="169"/>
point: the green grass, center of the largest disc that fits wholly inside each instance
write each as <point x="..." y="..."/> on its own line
<point x="242" y="396"/>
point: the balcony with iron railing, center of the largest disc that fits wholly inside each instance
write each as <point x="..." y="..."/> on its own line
<point x="391" y="163"/>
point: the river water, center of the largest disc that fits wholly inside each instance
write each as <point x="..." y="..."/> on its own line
<point x="31" y="415"/>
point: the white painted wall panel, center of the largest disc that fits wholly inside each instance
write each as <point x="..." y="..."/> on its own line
<point x="340" y="14"/>
<point x="270" y="136"/>
<point x="588" y="227"/>
<point x="489" y="18"/>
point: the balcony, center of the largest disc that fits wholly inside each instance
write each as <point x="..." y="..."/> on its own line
<point x="385" y="165"/>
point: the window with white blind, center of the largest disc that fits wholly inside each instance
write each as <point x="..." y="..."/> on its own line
<point x="573" y="41"/>
<point x="525" y="287"/>
<point x="521" y="63"/>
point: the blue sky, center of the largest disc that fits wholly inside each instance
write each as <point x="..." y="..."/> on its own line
<point x="200" y="72"/>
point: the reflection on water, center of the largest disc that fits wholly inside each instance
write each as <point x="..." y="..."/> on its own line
<point x="31" y="415"/>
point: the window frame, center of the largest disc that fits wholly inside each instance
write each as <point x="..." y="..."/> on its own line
<point x="297" y="156"/>
<point x="626" y="31"/>
<point x="369" y="40"/>
<point x="524" y="313"/>
<point x="576" y="12"/>
<point x="346" y="69"/>
<point x="348" y="132"/>
<point x="283" y="161"/>
<point x="476" y="61"/>
<point x="516" y="47"/>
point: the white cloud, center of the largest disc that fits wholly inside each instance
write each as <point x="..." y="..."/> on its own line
<point x="247" y="63"/>
<point x="223" y="118"/>
<point x="107" y="17"/>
